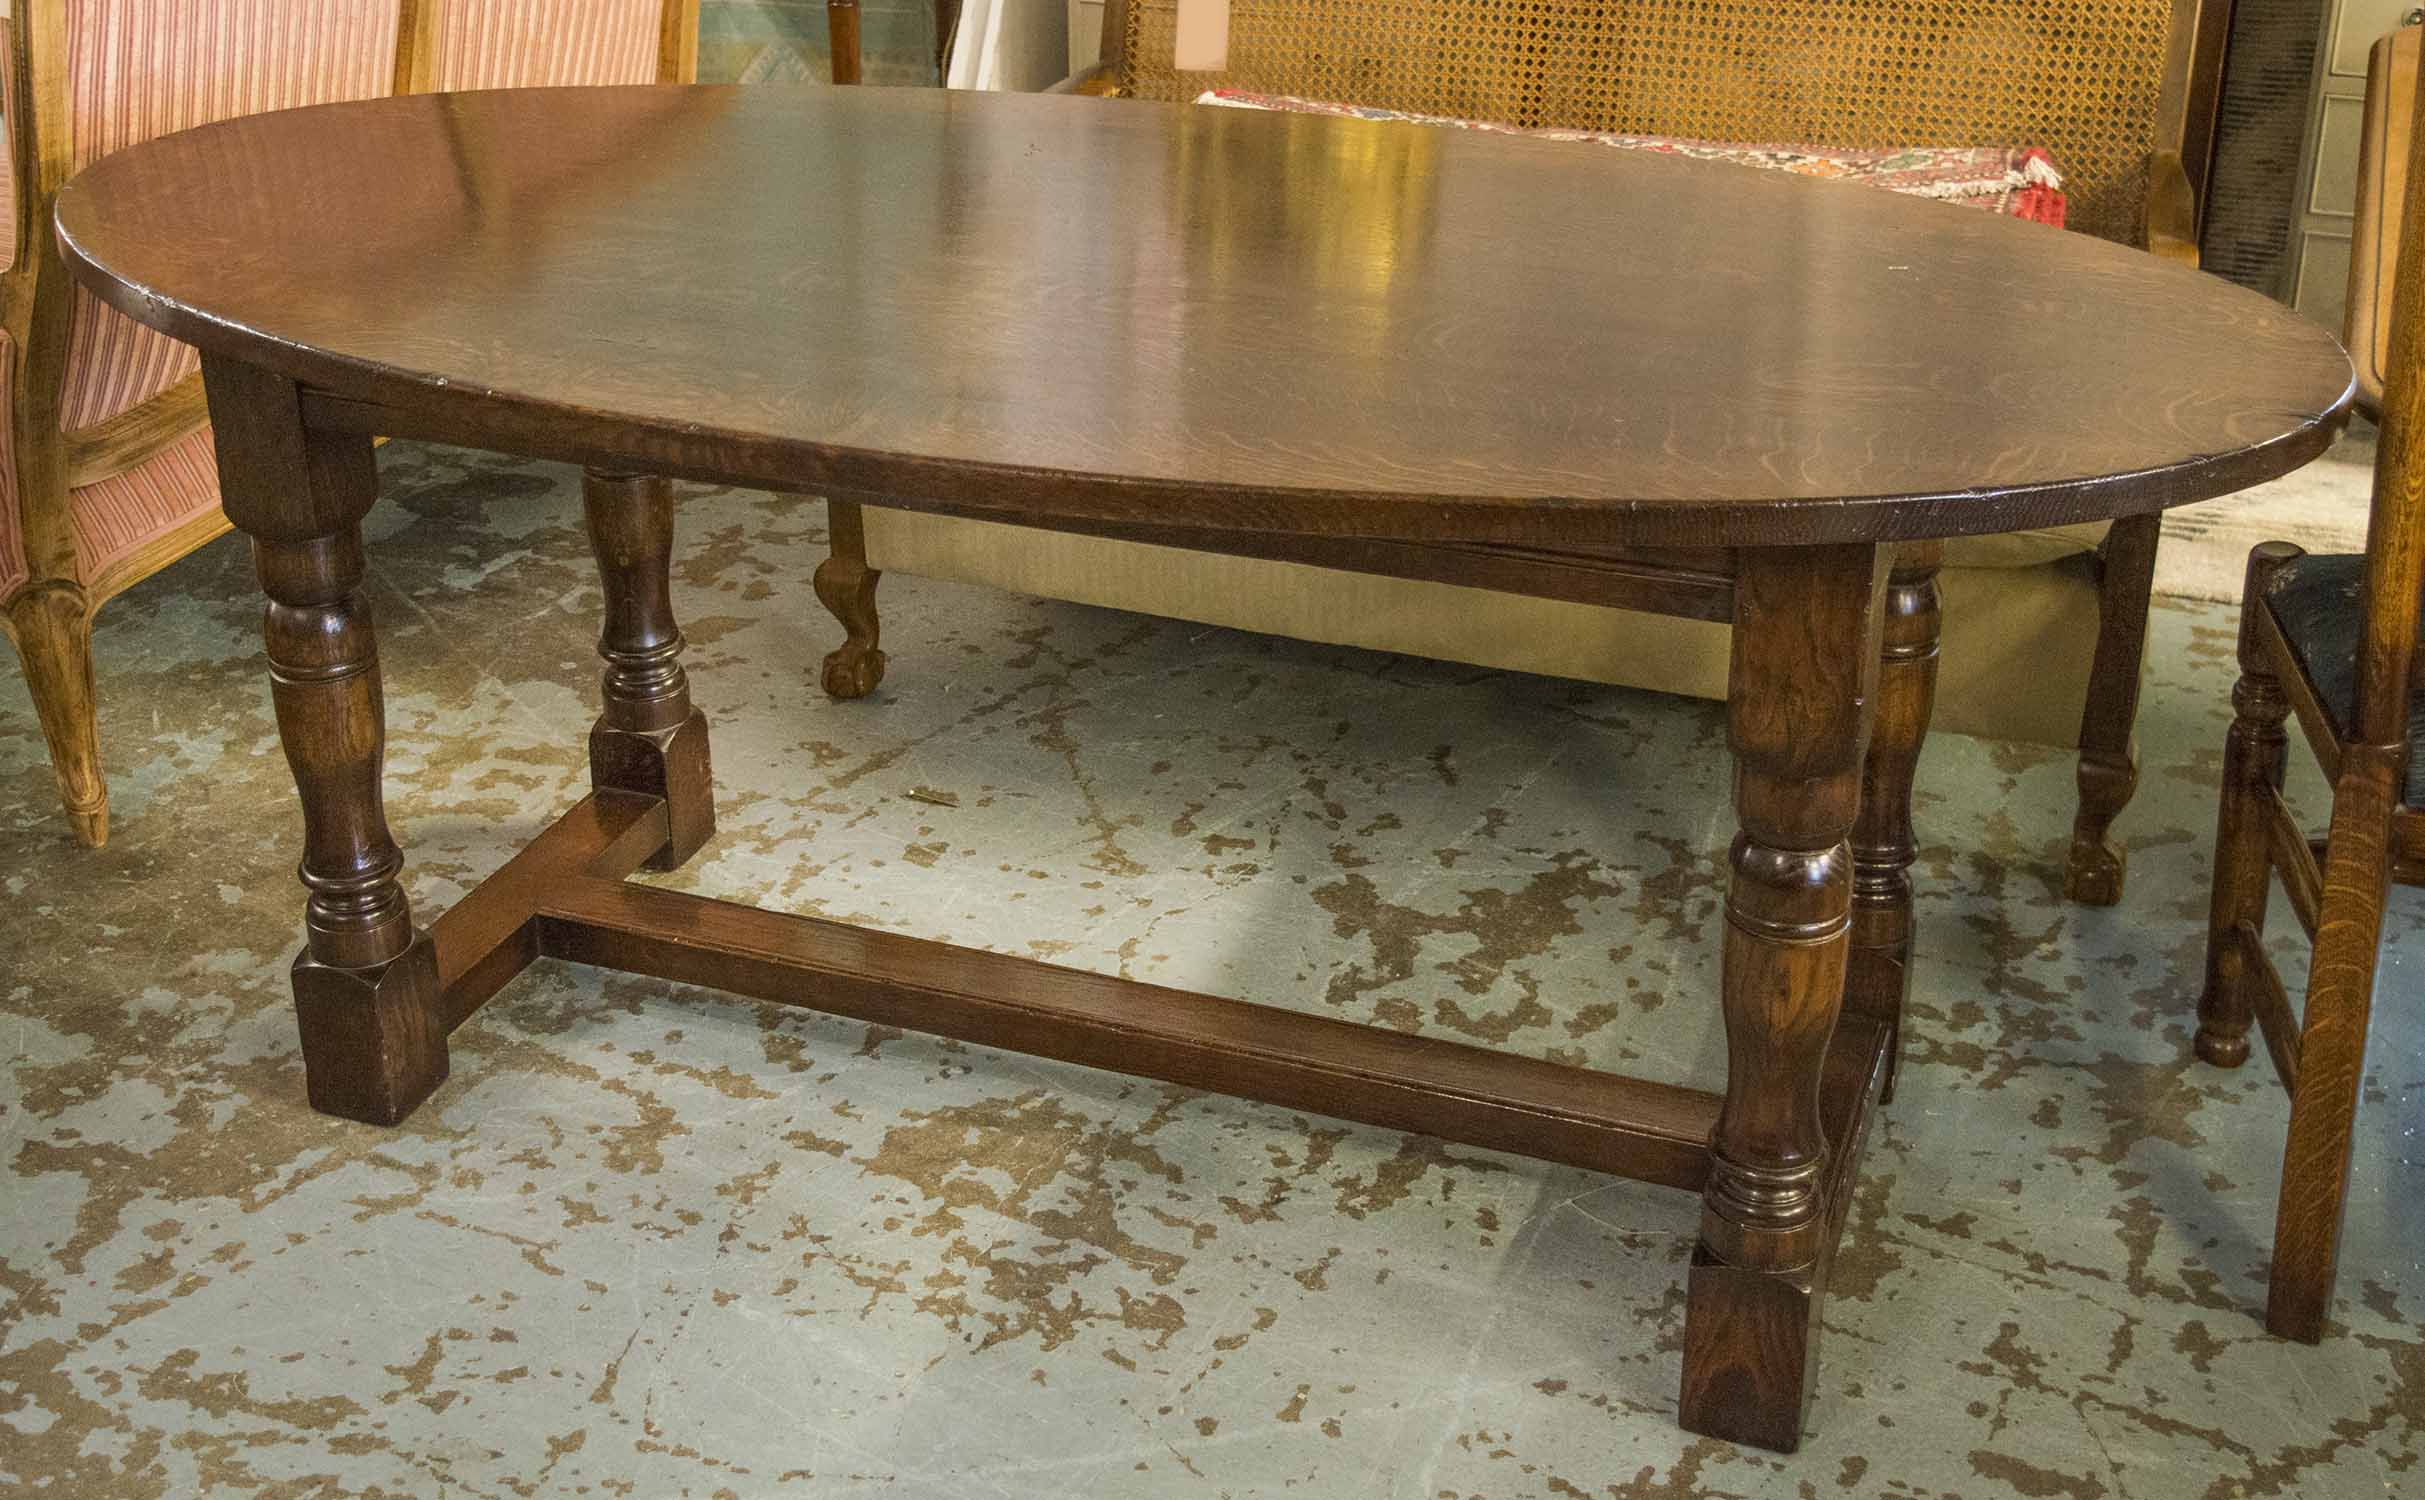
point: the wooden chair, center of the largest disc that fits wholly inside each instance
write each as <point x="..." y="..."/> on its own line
<point x="2334" y="640"/>
<point x="106" y="467"/>
<point x="2122" y="92"/>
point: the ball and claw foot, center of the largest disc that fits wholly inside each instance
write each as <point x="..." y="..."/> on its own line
<point x="853" y="671"/>
<point x="2095" y="875"/>
<point x="848" y="589"/>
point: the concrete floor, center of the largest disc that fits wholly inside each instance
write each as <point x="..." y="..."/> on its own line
<point x="652" y="1242"/>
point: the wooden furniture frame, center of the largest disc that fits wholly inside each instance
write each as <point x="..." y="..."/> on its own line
<point x="2366" y="741"/>
<point x="50" y="616"/>
<point x="1692" y="585"/>
<point x="1835" y="620"/>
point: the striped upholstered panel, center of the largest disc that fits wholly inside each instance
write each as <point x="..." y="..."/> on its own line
<point x="141" y="68"/>
<point x="116" y="515"/>
<point x="8" y="156"/>
<point x="12" y="544"/>
<point x="495" y="44"/>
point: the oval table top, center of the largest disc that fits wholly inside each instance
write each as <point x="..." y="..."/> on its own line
<point x="1081" y="309"/>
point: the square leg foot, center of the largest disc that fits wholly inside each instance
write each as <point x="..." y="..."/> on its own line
<point x="1751" y="1346"/>
<point x="374" y="1040"/>
<point x="668" y="763"/>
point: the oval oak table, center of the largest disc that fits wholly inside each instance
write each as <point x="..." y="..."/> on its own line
<point x="1075" y="313"/>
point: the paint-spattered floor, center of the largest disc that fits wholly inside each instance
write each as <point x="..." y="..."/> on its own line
<point x="650" y="1243"/>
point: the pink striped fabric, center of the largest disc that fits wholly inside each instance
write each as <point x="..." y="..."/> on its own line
<point x="8" y="155"/>
<point x="141" y="68"/>
<point x="492" y="44"/>
<point x="116" y="515"/>
<point x="12" y="541"/>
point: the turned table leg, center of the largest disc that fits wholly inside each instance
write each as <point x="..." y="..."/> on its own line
<point x="648" y="738"/>
<point x="1805" y="666"/>
<point x="366" y="983"/>
<point x="1884" y="845"/>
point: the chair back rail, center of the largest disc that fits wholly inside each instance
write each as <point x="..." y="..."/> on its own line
<point x="2105" y="86"/>
<point x="2395" y="537"/>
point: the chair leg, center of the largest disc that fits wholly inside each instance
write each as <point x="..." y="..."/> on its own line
<point x="2253" y="758"/>
<point x="2109" y="763"/>
<point x="1884" y="846"/>
<point x="2332" y="1047"/>
<point x="53" y="626"/>
<point x="847" y="585"/>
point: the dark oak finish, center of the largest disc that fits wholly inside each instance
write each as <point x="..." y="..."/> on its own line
<point x="1533" y="360"/>
<point x="1464" y="392"/>
<point x="1800" y="698"/>
<point x="648" y="739"/>
<point x="2349" y="669"/>
<point x="2127" y="104"/>
<point x="366" y="982"/>
<point x="1884" y="844"/>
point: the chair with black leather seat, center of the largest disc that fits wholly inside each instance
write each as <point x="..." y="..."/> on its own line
<point x="2334" y="640"/>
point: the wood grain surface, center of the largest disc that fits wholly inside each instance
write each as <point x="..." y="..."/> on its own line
<point x="1119" y="311"/>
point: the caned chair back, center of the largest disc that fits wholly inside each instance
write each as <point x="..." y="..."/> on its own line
<point x="2102" y="85"/>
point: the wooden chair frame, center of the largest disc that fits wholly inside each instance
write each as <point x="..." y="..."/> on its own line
<point x="50" y="616"/>
<point x="2337" y="886"/>
<point x="1699" y="586"/>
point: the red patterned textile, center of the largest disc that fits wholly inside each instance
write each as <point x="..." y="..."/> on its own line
<point x="487" y="44"/>
<point x="2019" y="181"/>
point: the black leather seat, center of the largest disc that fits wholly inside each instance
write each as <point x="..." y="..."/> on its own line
<point x="2314" y="598"/>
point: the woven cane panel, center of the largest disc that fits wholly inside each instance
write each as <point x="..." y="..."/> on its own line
<point x="2077" y="77"/>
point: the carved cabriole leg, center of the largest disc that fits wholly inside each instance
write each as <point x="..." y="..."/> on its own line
<point x="2109" y="763"/>
<point x="366" y="983"/>
<point x="2332" y="1044"/>
<point x="648" y="739"/>
<point x="2253" y="758"/>
<point x="53" y="627"/>
<point x="847" y="585"/>
<point x="1884" y="845"/>
<point x="1799" y="700"/>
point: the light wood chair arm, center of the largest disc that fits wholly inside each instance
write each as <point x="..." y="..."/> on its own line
<point x="678" y="43"/>
<point x="416" y="46"/>
<point x="119" y="443"/>
<point x="35" y="295"/>
<point x="2172" y="210"/>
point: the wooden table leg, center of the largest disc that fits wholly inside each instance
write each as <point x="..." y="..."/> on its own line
<point x="1884" y="845"/>
<point x="2109" y="761"/>
<point x="366" y="983"/>
<point x="1799" y="703"/>
<point x="648" y="738"/>
<point x="846" y="586"/>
